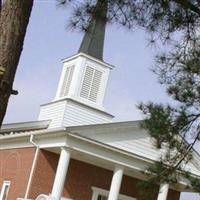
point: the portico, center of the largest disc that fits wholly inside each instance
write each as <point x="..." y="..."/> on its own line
<point x="119" y="165"/>
<point x="116" y="182"/>
<point x="61" y="173"/>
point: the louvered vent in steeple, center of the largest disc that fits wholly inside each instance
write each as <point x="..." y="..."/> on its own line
<point x="67" y="81"/>
<point x="91" y="84"/>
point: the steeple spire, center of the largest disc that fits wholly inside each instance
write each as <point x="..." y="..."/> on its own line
<point x="93" y="40"/>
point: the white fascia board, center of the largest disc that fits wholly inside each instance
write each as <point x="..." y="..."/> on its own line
<point x="24" y="126"/>
<point x="56" y="140"/>
<point x="112" y="125"/>
<point x="89" y="57"/>
<point x="29" y="133"/>
<point x="22" y="140"/>
<point x="12" y="143"/>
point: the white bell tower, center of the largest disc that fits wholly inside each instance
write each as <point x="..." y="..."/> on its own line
<point x="84" y="79"/>
<point x="82" y="86"/>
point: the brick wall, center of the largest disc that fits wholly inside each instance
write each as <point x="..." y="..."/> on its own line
<point x="44" y="174"/>
<point x="80" y="178"/>
<point x="15" y="166"/>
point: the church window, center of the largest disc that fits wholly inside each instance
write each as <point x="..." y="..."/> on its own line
<point x="91" y="84"/>
<point x="102" y="197"/>
<point x="101" y="194"/>
<point x="67" y="81"/>
<point x="4" y="190"/>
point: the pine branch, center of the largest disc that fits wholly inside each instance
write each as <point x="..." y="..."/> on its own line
<point x="190" y="147"/>
<point x="188" y="5"/>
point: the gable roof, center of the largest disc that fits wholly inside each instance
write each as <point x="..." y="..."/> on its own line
<point x="129" y="137"/>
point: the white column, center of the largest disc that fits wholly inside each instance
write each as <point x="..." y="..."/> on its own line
<point x="116" y="183"/>
<point x="163" y="191"/>
<point x="61" y="172"/>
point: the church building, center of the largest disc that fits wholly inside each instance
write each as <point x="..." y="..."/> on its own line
<point x="74" y="151"/>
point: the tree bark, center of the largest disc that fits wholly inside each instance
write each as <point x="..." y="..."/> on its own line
<point x="14" y="18"/>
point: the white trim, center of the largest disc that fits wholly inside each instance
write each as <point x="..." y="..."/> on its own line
<point x="33" y="166"/>
<point x="25" y="126"/>
<point x="29" y="133"/>
<point x="32" y="172"/>
<point x="98" y="191"/>
<point x="5" y="183"/>
<point x="80" y="101"/>
<point x="89" y="57"/>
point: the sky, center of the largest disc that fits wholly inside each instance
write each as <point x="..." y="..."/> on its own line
<point x="48" y="40"/>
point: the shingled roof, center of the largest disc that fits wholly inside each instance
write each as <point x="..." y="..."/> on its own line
<point x="93" y="40"/>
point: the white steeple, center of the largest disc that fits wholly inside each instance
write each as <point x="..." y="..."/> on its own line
<point x="82" y="85"/>
<point x="84" y="79"/>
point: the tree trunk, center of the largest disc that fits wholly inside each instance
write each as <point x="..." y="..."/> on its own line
<point x="14" y="18"/>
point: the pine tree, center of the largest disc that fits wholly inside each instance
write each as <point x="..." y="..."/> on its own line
<point x="174" y="23"/>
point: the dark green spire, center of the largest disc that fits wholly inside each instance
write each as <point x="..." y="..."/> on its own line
<point x="93" y="40"/>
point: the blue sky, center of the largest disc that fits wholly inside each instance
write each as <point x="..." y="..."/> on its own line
<point x="48" y="41"/>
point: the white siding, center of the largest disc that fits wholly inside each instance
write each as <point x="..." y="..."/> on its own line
<point x="67" y="113"/>
<point x="53" y="112"/>
<point x="192" y="168"/>
<point x="129" y="139"/>
<point x="81" y="115"/>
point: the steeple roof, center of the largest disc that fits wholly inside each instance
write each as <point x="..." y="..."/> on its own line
<point x="93" y="40"/>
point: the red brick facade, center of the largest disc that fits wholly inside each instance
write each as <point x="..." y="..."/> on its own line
<point x="44" y="174"/>
<point x="16" y="166"/>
